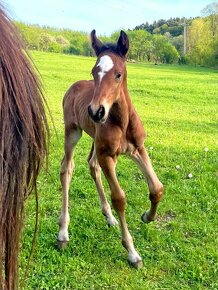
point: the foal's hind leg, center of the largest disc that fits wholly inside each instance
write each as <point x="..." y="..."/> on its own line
<point x="72" y="136"/>
<point x="142" y="159"/>
<point x="95" y="171"/>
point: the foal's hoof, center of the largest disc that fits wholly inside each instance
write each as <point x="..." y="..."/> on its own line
<point x="111" y="221"/>
<point x="138" y="264"/>
<point x="135" y="261"/>
<point x="62" y="244"/>
<point x="146" y="219"/>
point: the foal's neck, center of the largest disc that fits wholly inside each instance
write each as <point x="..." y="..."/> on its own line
<point x="122" y="109"/>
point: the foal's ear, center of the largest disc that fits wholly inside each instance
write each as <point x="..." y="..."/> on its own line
<point x="96" y="43"/>
<point x="123" y="43"/>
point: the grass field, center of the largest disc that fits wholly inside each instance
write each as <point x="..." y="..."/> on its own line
<point x="178" y="106"/>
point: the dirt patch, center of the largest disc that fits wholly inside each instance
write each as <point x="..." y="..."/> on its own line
<point x="168" y="216"/>
<point x="164" y="220"/>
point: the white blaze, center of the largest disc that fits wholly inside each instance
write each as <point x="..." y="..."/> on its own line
<point x="105" y="64"/>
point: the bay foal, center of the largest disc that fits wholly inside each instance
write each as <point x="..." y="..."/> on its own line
<point x="103" y="109"/>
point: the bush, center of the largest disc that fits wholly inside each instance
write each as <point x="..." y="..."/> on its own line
<point x="54" y="47"/>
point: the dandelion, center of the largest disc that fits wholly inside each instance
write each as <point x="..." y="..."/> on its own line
<point x="190" y="175"/>
<point x="206" y="149"/>
<point x="177" y="167"/>
<point x="151" y="148"/>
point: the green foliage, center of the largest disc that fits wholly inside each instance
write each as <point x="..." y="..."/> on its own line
<point x="147" y="47"/>
<point x="173" y="25"/>
<point x="54" y="47"/>
<point x="141" y="45"/>
<point x="31" y="35"/>
<point x="79" y="44"/>
<point x="203" y="38"/>
<point x="164" y="51"/>
<point x="177" y="105"/>
<point x="178" y="42"/>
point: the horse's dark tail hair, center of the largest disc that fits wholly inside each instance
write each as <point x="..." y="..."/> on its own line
<point x="23" y="143"/>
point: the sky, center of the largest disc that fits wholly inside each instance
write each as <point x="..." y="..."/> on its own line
<point x="103" y="15"/>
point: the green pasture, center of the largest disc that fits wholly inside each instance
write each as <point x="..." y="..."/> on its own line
<point x="178" y="107"/>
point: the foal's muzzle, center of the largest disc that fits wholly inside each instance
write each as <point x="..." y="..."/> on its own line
<point x="98" y="115"/>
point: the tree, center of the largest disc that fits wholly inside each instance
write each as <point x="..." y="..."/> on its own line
<point x="141" y="45"/>
<point x="156" y="30"/>
<point x="30" y="34"/>
<point x="164" y="28"/>
<point x="45" y="40"/>
<point x="211" y="12"/>
<point x="63" y="42"/>
<point x="163" y="50"/>
<point x="178" y="42"/>
<point x="203" y="38"/>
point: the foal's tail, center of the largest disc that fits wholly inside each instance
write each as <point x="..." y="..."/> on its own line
<point x="23" y="143"/>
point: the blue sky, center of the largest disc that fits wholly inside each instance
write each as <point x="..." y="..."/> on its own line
<point x="103" y="15"/>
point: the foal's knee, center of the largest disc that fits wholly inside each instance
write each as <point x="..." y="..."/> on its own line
<point x="156" y="193"/>
<point x="119" y="201"/>
<point x="66" y="171"/>
<point x="94" y="169"/>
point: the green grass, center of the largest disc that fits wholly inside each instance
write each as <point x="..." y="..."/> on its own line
<point x="177" y="105"/>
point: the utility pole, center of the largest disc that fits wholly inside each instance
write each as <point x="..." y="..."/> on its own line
<point x="185" y="38"/>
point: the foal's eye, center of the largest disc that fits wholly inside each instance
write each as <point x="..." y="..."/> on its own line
<point x="118" y="76"/>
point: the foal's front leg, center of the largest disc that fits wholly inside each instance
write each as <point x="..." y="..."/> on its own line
<point x="67" y="167"/>
<point x="141" y="158"/>
<point x="118" y="198"/>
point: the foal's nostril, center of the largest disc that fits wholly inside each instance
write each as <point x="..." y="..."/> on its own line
<point x="100" y="113"/>
<point x="90" y="111"/>
<point x="97" y="117"/>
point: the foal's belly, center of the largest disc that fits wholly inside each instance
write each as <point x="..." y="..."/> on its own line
<point x="127" y="148"/>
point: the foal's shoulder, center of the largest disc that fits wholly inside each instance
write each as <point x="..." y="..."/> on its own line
<point x="135" y="131"/>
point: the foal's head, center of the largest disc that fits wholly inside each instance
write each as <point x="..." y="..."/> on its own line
<point x="109" y="75"/>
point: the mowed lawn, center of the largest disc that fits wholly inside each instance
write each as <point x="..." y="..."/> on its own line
<point x="178" y="106"/>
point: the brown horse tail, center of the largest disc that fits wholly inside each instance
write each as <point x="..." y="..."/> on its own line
<point x="23" y="143"/>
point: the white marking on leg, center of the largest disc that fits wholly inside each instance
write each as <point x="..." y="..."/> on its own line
<point x="111" y="220"/>
<point x="63" y="236"/>
<point x="133" y="257"/>
<point x="105" y="64"/>
<point x="64" y="221"/>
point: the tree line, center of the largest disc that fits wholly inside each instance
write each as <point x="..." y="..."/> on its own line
<point x="174" y="26"/>
<point x="143" y="45"/>
<point x="160" y="42"/>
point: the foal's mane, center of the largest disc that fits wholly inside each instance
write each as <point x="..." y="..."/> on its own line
<point x="110" y="47"/>
<point x="23" y="142"/>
